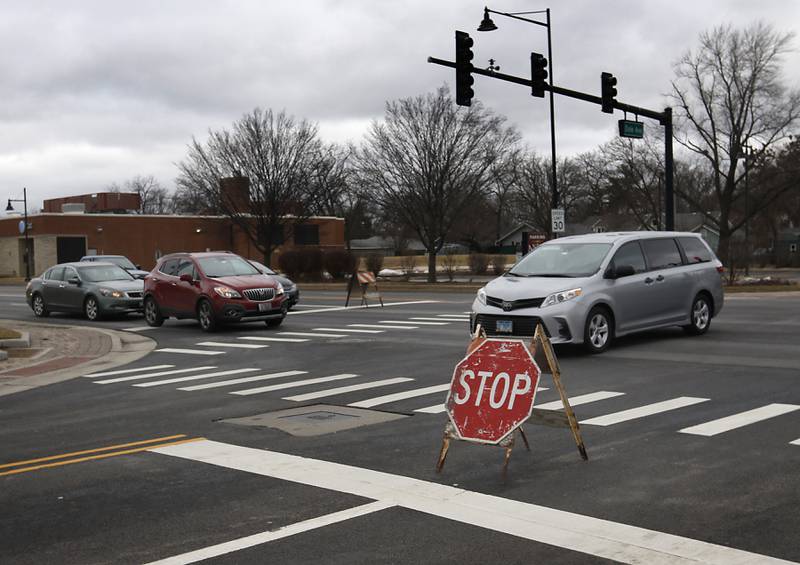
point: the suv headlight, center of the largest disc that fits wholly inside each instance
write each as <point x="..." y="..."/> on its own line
<point x="111" y="292"/>
<point x="279" y="290"/>
<point x="482" y="296"/>
<point x="563" y="296"/>
<point x="226" y="292"/>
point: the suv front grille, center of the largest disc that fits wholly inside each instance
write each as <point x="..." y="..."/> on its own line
<point x="259" y="294"/>
<point x="514" y="304"/>
<point x="521" y="325"/>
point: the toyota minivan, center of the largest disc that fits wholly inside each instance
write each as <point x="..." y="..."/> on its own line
<point x="589" y="289"/>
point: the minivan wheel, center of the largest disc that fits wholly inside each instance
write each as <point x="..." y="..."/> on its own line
<point x="39" y="307"/>
<point x="700" y="316"/>
<point x="598" y="331"/>
<point x="91" y="309"/>
<point x="205" y="315"/>
<point x="152" y="313"/>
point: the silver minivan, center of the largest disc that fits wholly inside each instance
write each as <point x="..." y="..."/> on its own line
<point x="592" y="288"/>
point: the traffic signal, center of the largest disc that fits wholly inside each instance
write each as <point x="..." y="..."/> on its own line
<point x="464" y="80"/>
<point x="608" y="92"/>
<point x="538" y="74"/>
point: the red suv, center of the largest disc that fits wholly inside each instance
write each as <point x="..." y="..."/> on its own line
<point x="213" y="288"/>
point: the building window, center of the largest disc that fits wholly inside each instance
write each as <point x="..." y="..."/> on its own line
<point x="306" y="234"/>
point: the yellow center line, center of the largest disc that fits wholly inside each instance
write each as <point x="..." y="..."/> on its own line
<point x="92" y="457"/>
<point x="98" y="450"/>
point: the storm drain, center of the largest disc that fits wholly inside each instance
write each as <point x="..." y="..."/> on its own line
<point x="316" y="420"/>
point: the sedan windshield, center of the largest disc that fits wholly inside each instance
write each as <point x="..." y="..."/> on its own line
<point x="562" y="260"/>
<point x="123" y="262"/>
<point x="224" y="266"/>
<point x="103" y="273"/>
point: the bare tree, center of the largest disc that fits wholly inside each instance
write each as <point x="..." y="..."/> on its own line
<point x="730" y="95"/>
<point x="429" y="159"/>
<point x="154" y="198"/>
<point x="284" y="161"/>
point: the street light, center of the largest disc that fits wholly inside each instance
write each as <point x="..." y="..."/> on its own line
<point x="10" y="208"/>
<point x="488" y="25"/>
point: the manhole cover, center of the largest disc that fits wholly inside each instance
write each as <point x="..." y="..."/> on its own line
<point x="316" y="420"/>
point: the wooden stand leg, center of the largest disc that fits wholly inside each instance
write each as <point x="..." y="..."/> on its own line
<point x="524" y="439"/>
<point x="443" y="452"/>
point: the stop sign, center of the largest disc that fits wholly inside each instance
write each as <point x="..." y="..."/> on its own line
<point x="492" y="390"/>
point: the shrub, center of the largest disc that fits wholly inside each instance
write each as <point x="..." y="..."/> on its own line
<point x="449" y="265"/>
<point x="302" y="263"/>
<point x="289" y="263"/>
<point x="498" y="264"/>
<point x="374" y="262"/>
<point x="339" y="263"/>
<point x="478" y="263"/>
<point x="407" y="264"/>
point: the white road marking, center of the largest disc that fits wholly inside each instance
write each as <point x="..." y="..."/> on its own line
<point x="306" y="334"/>
<point x="315" y="306"/>
<point x="19" y="304"/>
<point x="346" y="389"/>
<point x="283" y="339"/>
<point x="196" y="377"/>
<point x="728" y="423"/>
<point x="149" y="375"/>
<point x="272" y="535"/>
<point x="231" y="382"/>
<point x="306" y="382"/>
<point x="568" y="530"/>
<point x="642" y="411"/>
<point x="383" y="326"/>
<point x="139" y="329"/>
<point x="440" y="320"/>
<point x="124" y="371"/>
<point x="234" y="345"/>
<point x="189" y="351"/>
<point x="578" y="400"/>
<point x="414" y="323"/>
<point x="795" y="442"/>
<point x="439" y="408"/>
<point x="456" y="316"/>
<point x="386" y="399"/>
<point x="349" y="331"/>
<point x="377" y="305"/>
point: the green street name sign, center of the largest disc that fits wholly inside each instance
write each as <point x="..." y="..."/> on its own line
<point x="628" y="128"/>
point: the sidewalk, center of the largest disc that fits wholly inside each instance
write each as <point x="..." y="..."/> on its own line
<point x="58" y="353"/>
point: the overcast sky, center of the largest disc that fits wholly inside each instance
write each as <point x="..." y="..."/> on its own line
<point x="96" y="92"/>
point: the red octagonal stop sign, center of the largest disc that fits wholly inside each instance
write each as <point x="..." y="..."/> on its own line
<point x="492" y="390"/>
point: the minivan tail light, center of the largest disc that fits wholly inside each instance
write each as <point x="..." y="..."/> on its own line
<point x="720" y="269"/>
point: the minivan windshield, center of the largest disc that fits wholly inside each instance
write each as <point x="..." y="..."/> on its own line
<point x="562" y="260"/>
<point x="226" y="266"/>
<point x="123" y="262"/>
<point x="104" y="273"/>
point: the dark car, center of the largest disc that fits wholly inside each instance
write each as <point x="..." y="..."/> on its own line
<point x="213" y="288"/>
<point x="135" y="270"/>
<point x="96" y="289"/>
<point x="289" y="287"/>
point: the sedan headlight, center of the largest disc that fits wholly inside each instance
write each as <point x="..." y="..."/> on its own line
<point x="226" y="292"/>
<point x="482" y="296"/>
<point x="279" y="290"/>
<point x="112" y="293"/>
<point x="563" y="296"/>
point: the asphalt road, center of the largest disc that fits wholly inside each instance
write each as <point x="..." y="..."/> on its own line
<point x="370" y="494"/>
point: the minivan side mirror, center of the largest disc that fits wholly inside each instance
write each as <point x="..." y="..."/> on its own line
<point x="619" y="271"/>
<point x="139" y="267"/>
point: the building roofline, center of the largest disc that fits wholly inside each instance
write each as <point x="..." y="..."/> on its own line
<point x="103" y="215"/>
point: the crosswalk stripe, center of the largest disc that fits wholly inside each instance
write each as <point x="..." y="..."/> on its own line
<point x="578" y="400"/>
<point x="386" y="399"/>
<point x="283" y="339"/>
<point x="795" y="442"/>
<point x="439" y="320"/>
<point x="217" y="384"/>
<point x="414" y="323"/>
<point x="196" y="377"/>
<point x="188" y="351"/>
<point x="149" y="375"/>
<point x="348" y="330"/>
<point x="742" y="419"/>
<point x="383" y="326"/>
<point x="139" y="329"/>
<point x="439" y="408"/>
<point x="306" y="334"/>
<point x="346" y="389"/>
<point x="642" y="411"/>
<point x="456" y="316"/>
<point x="281" y="386"/>
<point x="124" y="371"/>
<point x="234" y="345"/>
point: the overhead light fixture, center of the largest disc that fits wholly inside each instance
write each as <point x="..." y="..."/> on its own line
<point x="487" y="24"/>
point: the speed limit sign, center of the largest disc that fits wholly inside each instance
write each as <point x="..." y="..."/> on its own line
<point x="557" y="217"/>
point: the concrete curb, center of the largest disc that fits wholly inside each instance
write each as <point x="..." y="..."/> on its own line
<point x="24" y="340"/>
<point x="125" y="348"/>
<point x="3" y="355"/>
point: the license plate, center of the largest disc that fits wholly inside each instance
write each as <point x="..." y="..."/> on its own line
<point x="264" y="306"/>
<point x="504" y="326"/>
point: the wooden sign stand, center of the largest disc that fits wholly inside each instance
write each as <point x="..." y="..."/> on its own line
<point x="546" y="359"/>
<point x="364" y="279"/>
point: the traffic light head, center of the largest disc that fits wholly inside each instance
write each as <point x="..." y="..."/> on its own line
<point x="608" y="92"/>
<point x="464" y="80"/>
<point x="538" y="75"/>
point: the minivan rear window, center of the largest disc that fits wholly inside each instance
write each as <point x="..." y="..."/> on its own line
<point x="695" y="250"/>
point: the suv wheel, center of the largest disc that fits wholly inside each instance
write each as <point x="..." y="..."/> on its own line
<point x="91" y="308"/>
<point x="700" y="316"/>
<point x="279" y="321"/>
<point x="598" y="331"/>
<point x="152" y="313"/>
<point x="205" y="315"/>
<point x="39" y="307"/>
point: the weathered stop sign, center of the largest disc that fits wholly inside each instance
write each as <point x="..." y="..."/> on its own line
<point x="492" y="390"/>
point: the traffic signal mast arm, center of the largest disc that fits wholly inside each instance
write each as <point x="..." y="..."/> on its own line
<point x="660" y="116"/>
